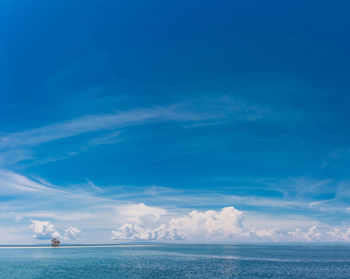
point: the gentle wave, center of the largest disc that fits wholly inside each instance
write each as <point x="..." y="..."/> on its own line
<point x="251" y="258"/>
<point x="75" y="246"/>
<point x="223" y="257"/>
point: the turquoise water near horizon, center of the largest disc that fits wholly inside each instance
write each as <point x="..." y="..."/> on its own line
<point x="177" y="261"/>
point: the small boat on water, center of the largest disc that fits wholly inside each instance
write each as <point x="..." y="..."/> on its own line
<point x="55" y="242"/>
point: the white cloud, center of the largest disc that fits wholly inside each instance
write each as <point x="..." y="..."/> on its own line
<point x="264" y="234"/>
<point x="92" y="211"/>
<point x="71" y="233"/>
<point x="140" y="213"/>
<point x="313" y="234"/>
<point x="132" y="231"/>
<point x="210" y="224"/>
<point x="226" y="225"/>
<point x="44" y="230"/>
<point x="197" y="226"/>
<point x="338" y="235"/>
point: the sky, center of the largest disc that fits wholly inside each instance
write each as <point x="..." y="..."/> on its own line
<point x="174" y="121"/>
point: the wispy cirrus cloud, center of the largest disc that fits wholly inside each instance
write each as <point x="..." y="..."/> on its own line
<point x="107" y="128"/>
<point x="87" y="208"/>
<point x="224" y="108"/>
<point x="102" y="129"/>
<point x="14" y="182"/>
<point x="83" y="124"/>
<point x="88" y="193"/>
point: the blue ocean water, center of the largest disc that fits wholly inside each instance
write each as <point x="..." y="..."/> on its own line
<point x="177" y="261"/>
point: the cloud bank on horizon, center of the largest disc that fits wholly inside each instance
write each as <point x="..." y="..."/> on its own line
<point x="140" y="222"/>
<point x="93" y="209"/>
<point x="168" y="123"/>
<point x="224" y="226"/>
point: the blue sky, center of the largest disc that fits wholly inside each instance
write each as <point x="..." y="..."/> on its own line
<point x="135" y="121"/>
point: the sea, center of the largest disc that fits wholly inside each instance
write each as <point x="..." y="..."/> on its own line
<point x="176" y="261"/>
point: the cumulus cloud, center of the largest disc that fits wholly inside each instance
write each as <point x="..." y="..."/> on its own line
<point x="138" y="213"/>
<point x="44" y="230"/>
<point x="264" y="234"/>
<point x="313" y="234"/>
<point x="71" y="233"/>
<point x="134" y="231"/>
<point x="220" y="226"/>
<point x="339" y="235"/>
<point x="208" y="225"/>
<point x="225" y="225"/>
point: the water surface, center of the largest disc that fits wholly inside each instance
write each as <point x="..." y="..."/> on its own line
<point x="177" y="261"/>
